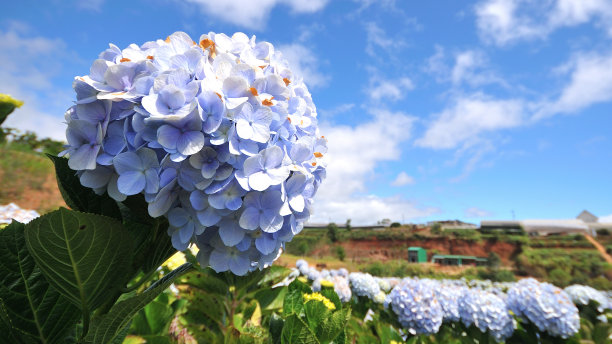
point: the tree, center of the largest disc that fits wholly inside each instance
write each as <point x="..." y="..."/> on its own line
<point x="348" y="225"/>
<point x="332" y="232"/>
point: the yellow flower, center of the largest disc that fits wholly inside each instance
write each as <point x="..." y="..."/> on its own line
<point x="318" y="297"/>
<point x="303" y="279"/>
<point x="5" y="98"/>
<point x="175" y="261"/>
<point x="326" y="283"/>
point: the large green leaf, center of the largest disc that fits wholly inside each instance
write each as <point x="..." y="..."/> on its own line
<point x="108" y="327"/>
<point x="296" y="331"/>
<point x="79" y="197"/>
<point x="84" y="256"/>
<point x="34" y="310"/>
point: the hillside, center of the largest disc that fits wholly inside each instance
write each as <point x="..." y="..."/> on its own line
<point x="28" y="179"/>
<point x="562" y="260"/>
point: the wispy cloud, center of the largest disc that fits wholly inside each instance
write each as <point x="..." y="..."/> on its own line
<point x="389" y="89"/>
<point x="253" y="14"/>
<point x="477" y="212"/>
<point x="590" y="83"/>
<point x="403" y="179"/>
<point x="470" y="116"/>
<point x="502" y="22"/>
<point x="90" y="5"/>
<point x="467" y="67"/>
<point x="337" y="110"/>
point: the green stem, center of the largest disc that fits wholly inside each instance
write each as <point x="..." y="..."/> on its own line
<point x="140" y="282"/>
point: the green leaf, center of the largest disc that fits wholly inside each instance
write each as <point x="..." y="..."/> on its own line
<point x="294" y="302"/>
<point x="84" y="256"/>
<point x="316" y="312"/>
<point x="270" y="298"/>
<point x="332" y="327"/>
<point x="331" y="295"/>
<point x="79" y="197"/>
<point x="296" y="331"/>
<point x="107" y="327"/>
<point x="31" y="307"/>
<point x="207" y="280"/>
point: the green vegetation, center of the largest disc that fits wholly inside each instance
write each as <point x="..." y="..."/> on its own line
<point x="340" y="253"/>
<point x="332" y="232"/>
<point x="564" y="267"/>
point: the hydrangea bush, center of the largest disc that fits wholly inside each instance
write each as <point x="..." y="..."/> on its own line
<point x="546" y="306"/>
<point x="219" y="136"/>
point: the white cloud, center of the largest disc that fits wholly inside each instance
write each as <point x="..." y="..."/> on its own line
<point x="29" y="63"/>
<point x="605" y="219"/>
<point x="389" y="89"/>
<point x="505" y="21"/>
<point x="469" y="67"/>
<point x="403" y="179"/>
<point x="591" y="82"/>
<point x="468" y="117"/>
<point x="253" y="14"/>
<point x="477" y="212"/>
<point x="354" y="152"/>
<point x="377" y="39"/>
<point x="304" y="63"/>
<point x="369" y="209"/>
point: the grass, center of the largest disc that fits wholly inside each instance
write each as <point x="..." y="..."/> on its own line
<point x="26" y="177"/>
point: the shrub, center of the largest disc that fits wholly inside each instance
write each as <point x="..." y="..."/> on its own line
<point x="603" y="231"/>
<point x="395" y="225"/>
<point x="560" y="277"/>
<point x="332" y="232"/>
<point x="340" y="253"/>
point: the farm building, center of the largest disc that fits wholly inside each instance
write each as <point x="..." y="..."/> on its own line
<point x="453" y="259"/>
<point x="584" y="223"/>
<point x="417" y="255"/>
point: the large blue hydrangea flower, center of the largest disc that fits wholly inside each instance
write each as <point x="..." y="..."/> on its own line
<point x="416" y="306"/>
<point x="545" y="305"/>
<point x="487" y="312"/>
<point x="219" y="135"/>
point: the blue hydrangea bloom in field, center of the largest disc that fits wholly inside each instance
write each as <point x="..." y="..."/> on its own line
<point x="545" y="305"/>
<point x="217" y="134"/>
<point x="582" y="295"/>
<point x="363" y="284"/>
<point x="487" y="312"/>
<point x="417" y="308"/>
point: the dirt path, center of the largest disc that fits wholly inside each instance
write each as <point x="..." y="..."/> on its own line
<point x="599" y="248"/>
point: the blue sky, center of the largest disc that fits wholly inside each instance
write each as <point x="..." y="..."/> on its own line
<point x="433" y="110"/>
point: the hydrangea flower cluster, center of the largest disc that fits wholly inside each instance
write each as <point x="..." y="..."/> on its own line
<point x="363" y="284"/>
<point x="487" y="312"/>
<point x="448" y="295"/>
<point x="417" y="308"/>
<point x="545" y="305"/>
<point x="582" y="295"/>
<point x="218" y="134"/>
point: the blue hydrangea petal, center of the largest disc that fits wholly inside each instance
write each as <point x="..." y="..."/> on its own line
<point x="131" y="182"/>
<point x="249" y="218"/>
<point x="190" y="142"/>
<point x="231" y="234"/>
